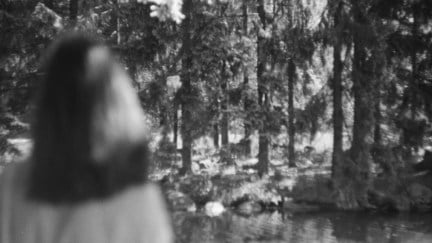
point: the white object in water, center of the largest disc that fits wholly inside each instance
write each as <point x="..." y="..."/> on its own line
<point x="229" y="170"/>
<point x="214" y="209"/>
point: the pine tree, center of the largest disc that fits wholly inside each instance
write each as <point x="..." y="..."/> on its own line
<point x="186" y="76"/>
<point x="263" y="96"/>
<point x="337" y="89"/>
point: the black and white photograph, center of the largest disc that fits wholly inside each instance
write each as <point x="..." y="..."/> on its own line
<point x="215" y="121"/>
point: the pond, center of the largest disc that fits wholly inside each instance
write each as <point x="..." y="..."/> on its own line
<point x="305" y="227"/>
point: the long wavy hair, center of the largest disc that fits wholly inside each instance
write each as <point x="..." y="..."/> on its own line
<point x="90" y="139"/>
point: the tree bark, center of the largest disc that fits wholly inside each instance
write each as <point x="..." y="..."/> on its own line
<point x="378" y="118"/>
<point x="414" y="83"/>
<point x="264" y="139"/>
<point x="363" y="88"/>
<point x="246" y="101"/>
<point x="163" y="123"/>
<point x="337" y="94"/>
<point x="175" y="126"/>
<point x="186" y="138"/>
<point x="291" y="126"/>
<point x="187" y="66"/>
<point x="224" y="108"/>
<point x="216" y="135"/>
<point x="416" y="137"/>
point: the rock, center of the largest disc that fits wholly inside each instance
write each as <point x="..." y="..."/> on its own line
<point x="261" y="191"/>
<point x="195" y="167"/>
<point x="249" y="208"/>
<point x="228" y="170"/>
<point x="178" y="201"/>
<point x="420" y="195"/>
<point x="382" y="201"/>
<point x="214" y="209"/>
<point x="417" y="197"/>
<point x="418" y="191"/>
<point x="287" y="183"/>
<point x="198" y="187"/>
<point x="314" y="189"/>
<point x="292" y="206"/>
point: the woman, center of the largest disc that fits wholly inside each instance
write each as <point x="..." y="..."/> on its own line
<point x="85" y="180"/>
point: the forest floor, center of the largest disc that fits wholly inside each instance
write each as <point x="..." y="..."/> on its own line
<point x="305" y="189"/>
<point x="238" y="186"/>
<point x="213" y="185"/>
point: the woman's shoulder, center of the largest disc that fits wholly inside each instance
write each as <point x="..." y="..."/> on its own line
<point x="155" y="214"/>
<point x="148" y="194"/>
<point x="141" y="209"/>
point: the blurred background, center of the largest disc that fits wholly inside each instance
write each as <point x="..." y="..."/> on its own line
<point x="292" y="106"/>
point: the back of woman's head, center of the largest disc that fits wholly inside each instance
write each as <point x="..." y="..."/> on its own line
<point x="90" y="139"/>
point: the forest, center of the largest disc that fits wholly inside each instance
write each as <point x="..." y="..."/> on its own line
<point x="255" y="105"/>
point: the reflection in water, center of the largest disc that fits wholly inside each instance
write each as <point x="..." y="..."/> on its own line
<point x="315" y="227"/>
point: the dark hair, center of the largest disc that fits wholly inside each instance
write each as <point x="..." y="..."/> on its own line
<point x="90" y="140"/>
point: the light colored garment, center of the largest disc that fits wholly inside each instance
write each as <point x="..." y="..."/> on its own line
<point x="136" y="215"/>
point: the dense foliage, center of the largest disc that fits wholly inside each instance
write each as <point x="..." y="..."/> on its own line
<point x="257" y="78"/>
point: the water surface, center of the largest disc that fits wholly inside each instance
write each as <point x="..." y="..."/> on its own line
<point x="311" y="227"/>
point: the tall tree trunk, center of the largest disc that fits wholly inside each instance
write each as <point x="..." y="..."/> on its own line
<point x="186" y="136"/>
<point x="187" y="66"/>
<point x="337" y="94"/>
<point x="378" y="118"/>
<point x="410" y="136"/>
<point x="216" y="135"/>
<point x="291" y="126"/>
<point x="216" y="126"/>
<point x="247" y="123"/>
<point x="263" y="102"/>
<point x="224" y="108"/>
<point x="246" y="99"/>
<point x="224" y="123"/>
<point x="163" y="123"/>
<point x="363" y="88"/>
<point x="175" y="126"/>
<point x="414" y="83"/>
<point x="73" y="11"/>
<point x="416" y="137"/>
<point x="118" y="31"/>
<point x="264" y="141"/>
<point x="115" y="22"/>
